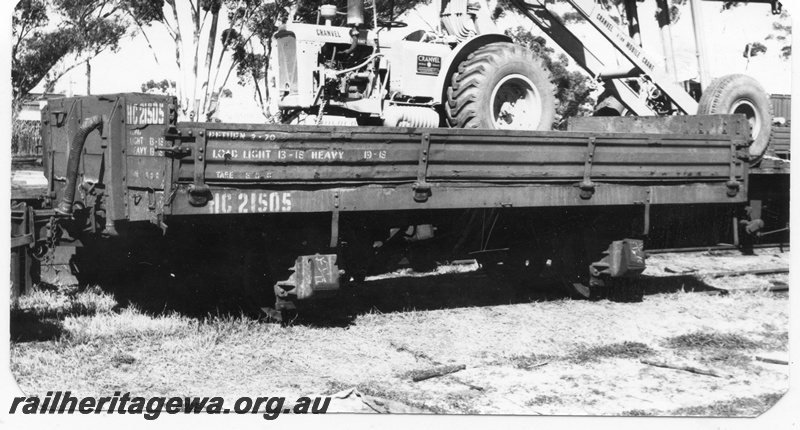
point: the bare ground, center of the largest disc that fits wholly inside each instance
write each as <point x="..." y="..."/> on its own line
<point x="554" y="356"/>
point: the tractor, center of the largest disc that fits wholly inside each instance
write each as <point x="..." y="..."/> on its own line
<point x="466" y="75"/>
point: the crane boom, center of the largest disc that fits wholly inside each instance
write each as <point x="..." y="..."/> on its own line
<point x="587" y="54"/>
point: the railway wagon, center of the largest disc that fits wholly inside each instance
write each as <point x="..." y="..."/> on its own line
<point x="287" y="214"/>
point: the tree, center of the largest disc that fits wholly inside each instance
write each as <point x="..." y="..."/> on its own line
<point x="727" y="5"/>
<point x="783" y="30"/>
<point x="753" y="49"/>
<point x="52" y="37"/>
<point x="253" y="25"/>
<point x="191" y="40"/>
<point x="163" y="86"/>
<point x="573" y="88"/>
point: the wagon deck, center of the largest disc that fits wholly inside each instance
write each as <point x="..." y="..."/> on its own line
<point x="150" y="167"/>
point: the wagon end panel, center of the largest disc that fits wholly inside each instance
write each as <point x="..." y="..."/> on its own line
<point x="104" y="157"/>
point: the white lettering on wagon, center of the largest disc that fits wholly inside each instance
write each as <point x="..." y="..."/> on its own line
<point x="244" y="154"/>
<point x="375" y="154"/>
<point x="287" y="154"/>
<point x="140" y="145"/>
<point x="291" y="153"/>
<point x="145" y="113"/>
<point x="241" y="135"/>
<point x="240" y="202"/>
<point x="326" y="155"/>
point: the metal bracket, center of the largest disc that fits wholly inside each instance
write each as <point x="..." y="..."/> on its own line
<point x="335" y="221"/>
<point x="733" y="184"/>
<point x="587" y="186"/>
<point x="175" y="151"/>
<point x="59" y="116"/>
<point x="199" y="193"/>
<point x="646" y="202"/>
<point x="422" y="189"/>
<point x="22" y="231"/>
<point x="151" y="200"/>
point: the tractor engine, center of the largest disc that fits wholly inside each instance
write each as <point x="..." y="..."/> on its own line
<point x="319" y="63"/>
<point x="351" y="77"/>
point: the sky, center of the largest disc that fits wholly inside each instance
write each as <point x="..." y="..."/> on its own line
<point x="726" y="33"/>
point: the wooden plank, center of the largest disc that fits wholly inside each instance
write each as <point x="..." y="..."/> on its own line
<point x="684" y="366"/>
<point x="436" y="372"/>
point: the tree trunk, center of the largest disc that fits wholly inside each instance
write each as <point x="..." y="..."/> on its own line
<point x="267" y="110"/>
<point x="180" y="83"/>
<point x="88" y="78"/>
<point x="195" y="111"/>
<point x="212" y="35"/>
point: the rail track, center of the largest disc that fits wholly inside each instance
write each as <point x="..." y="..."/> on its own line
<point x="722" y="270"/>
<point x="721" y="247"/>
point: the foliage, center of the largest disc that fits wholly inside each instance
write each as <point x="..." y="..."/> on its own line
<point x="164" y="86"/>
<point x="191" y="84"/>
<point x="26" y="136"/>
<point x="573" y="88"/>
<point x="253" y="24"/>
<point x="753" y="49"/>
<point x="727" y="5"/>
<point x="784" y="34"/>
<point x="46" y="32"/>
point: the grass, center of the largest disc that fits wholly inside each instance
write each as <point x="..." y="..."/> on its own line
<point x="741" y="406"/>
<point x="776" y="340"/>
<point x="379" y="390"/>
<point x="625" y="349"/>
<point x="738" y="407"/>
<point x="57" y="303"/>
<point x="581" y="354"/>
<point x="530" y="362"/>
<point x="96" y="347"/>
<point x="638" y="413"/>
<point x="544" y="400"/>
<point x="39" y="314"/>
<point x="730" y="358"/>
<point x="711" y="339"/>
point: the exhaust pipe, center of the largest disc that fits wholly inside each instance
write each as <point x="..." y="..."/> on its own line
<point x="355" y="12"/>
<point x="355" y="18"/>
<point x="75" y="149"/>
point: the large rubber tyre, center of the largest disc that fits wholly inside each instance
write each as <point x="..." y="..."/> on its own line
<point x="741" y="94"/>
<point x="501" y="86"/>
